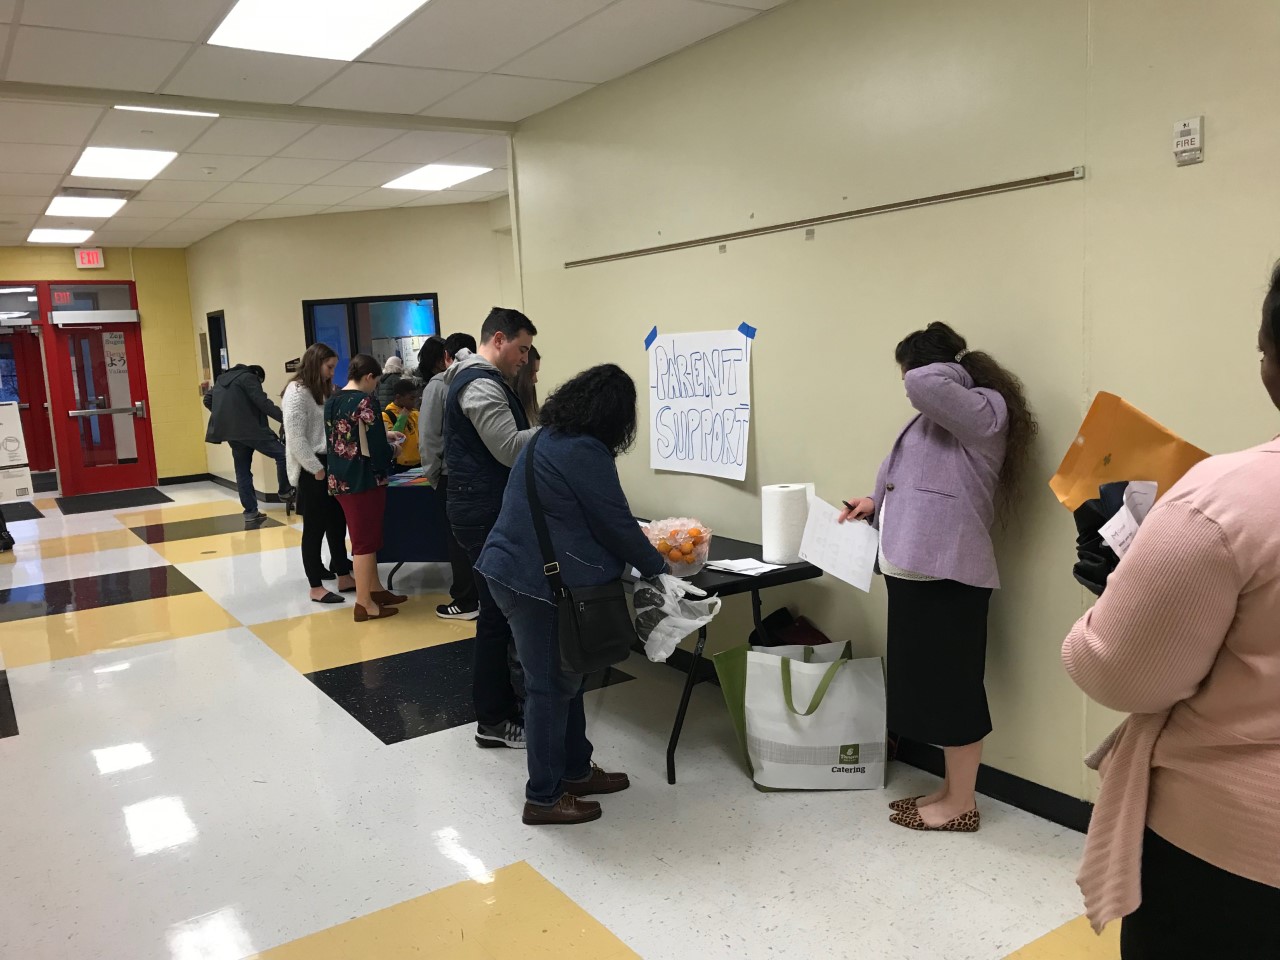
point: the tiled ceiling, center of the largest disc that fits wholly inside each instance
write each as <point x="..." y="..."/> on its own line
<point x="486" y="62"/>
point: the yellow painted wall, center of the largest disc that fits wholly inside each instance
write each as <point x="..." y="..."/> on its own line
<point x="1145" y="279"/>
<point x="258" y="272"/>
<point x="168" y="341"/>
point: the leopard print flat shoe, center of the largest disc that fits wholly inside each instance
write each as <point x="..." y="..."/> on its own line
<point x="906" y="803"/>
<point x="968" y="822"/>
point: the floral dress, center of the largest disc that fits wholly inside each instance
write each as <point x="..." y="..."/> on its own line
<point x="350" y="471"/>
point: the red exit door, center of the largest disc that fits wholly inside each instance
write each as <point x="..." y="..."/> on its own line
<point x="22" y="382"/>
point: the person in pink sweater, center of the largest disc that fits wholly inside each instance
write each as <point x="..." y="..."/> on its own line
<point x="1184" y="842"/>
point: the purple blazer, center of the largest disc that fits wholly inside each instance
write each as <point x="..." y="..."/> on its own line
<point x="942" y="477"/>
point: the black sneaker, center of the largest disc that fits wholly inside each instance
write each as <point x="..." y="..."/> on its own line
<point x="505" y="734"/>
<point x="6" y="541"/>
<point x="451" y="611"/>
<point x="254" y="521"/>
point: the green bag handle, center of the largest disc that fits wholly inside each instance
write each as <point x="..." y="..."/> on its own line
<point x="818" y="694"/>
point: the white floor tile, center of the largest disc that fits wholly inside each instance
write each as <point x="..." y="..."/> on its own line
<point x="30" y="568"/>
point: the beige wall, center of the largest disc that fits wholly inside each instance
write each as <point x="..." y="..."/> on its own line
<point x="1145" y="279"/>
<point x="260" y="271"/>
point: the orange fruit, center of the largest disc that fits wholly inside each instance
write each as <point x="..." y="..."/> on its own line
<point x="675" y="556"/>
<point x="690" y="558"/>
<point x="695" y="532"/>
<point x="664" y="547"/>
<point x="686" y="548"/>
<point x="674" y="535"/>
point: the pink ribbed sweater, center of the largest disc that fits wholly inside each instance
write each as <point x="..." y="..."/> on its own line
<point x="1186" y="638"/>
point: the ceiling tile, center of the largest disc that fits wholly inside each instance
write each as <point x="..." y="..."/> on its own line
<point x="191" y="229"/>
<point x="385" y="89"/>
<point x="485" y="183"/>
<point x="36" y="158"/>
<point x="120" y="238"/>
<point x="325" y="196"/>
<point x="224" y="211"/>
<point x="288" y="170"/>
<point x="498" y="97"/>
<point x="147" y="131"/>
<point x="381" y="198"/>
<point x="100" y="183"/>
<point x="250" y="138"/>
<point x="753" y="4"/>
<point x="46" y="123"/>
<point x="156" y="208"/>
<point x="140" y="224"/>
<point x="70" y="223"/>
<point x="190" y="190"/>
<point x="489" y="152"/>
<point x="625" y="37"/>
<point x="478" y="35"/>
<point x="279" y="210"/>
<point x="422" y="147"/>
<point x="166" y="244"/>
<point x="442" y="197"/>
<point x="192" y="166"/>
<point x="258" y="193"/>
<point x="173" y="20"/>
<point x="229" y="74"/>
<point x="332" y="142"/>
<point x="6" y="10"/>
<point x="11" y="206"/>
<point x="365" y="174"/>
<point x="29" y="184"/>
<point x="73" y="59"/>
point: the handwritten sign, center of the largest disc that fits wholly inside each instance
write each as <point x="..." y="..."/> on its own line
<point x="700" y="403"/>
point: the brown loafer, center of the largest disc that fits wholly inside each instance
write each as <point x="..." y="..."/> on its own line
<point x="387" y="598"/>
<point x="362" y="614"/>
<point x="598" y="782"/>
<point x="568" y="809"/>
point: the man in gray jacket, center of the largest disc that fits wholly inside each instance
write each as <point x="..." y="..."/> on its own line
<point x="463" y="603"/>
<point x="239" y="410"/>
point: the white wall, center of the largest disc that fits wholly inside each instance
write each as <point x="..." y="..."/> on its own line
<point x="260" y="271"/>
<point x="1144" y="279"/>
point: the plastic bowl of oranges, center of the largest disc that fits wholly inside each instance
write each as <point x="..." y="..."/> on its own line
<point x="685" y="543"/>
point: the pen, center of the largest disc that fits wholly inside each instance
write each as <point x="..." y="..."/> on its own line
<point x="848" y="504"/>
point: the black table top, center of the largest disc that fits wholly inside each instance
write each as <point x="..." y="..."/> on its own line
<point x="722" y="584"/>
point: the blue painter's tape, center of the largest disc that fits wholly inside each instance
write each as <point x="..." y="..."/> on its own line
<point x="653" y="335"/>
<point x="747" y="330"/>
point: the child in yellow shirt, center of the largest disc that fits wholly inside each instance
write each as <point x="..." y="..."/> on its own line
<point x="401" y="414"/>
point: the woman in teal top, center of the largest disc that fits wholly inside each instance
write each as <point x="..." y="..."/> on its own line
<point x="359" y="460"/>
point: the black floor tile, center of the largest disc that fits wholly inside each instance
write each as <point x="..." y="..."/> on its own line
<point x="412" y="694"/>
<point x="8" y="720"/>
<point x="20" y="510"/>
<point x="44" y="482"/>
<point x="117" y="500"/>
<point x="191" y="529"/>
<point x="85" y="593"/>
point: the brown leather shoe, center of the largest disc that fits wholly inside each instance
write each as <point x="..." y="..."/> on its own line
<point x="568" y="809"/>
<point x="385" y="598"/>
<point x="362" y="614"/>
<point x="598" y="782"/>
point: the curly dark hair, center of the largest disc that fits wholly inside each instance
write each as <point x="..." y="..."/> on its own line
<point x="600" y="403"/>
<point x="938" y="343"/>
<point x="1271" y="308"/>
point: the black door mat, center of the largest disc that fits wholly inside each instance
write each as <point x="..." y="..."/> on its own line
<point x="116" y="500"/>
<point x="45" y="482"/>
<point x="20" y="510"/>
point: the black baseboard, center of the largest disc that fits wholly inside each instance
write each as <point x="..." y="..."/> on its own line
<point x="1048" y="804"/>
<point x="189" y="478"/>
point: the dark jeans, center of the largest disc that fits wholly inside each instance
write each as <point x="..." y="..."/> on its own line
<point x="555" y="722"/>
<point x="242" y="455"/>
<point x="463" y="590"/>
<point x="322" y="519"/>
<point x="1192" y="910"/>
<point x="491" y="689"/>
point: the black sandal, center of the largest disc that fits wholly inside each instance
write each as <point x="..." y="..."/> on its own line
<point x="329" y="597"/>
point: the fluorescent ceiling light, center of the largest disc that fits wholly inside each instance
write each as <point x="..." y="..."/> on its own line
<point x="329" y="29"/>
<point x="100" y="207"/>
<point x="59" y="236"/>
<point x="176" y="113"/>
<point x="17" y="289"/>
<point x="435" y="176"/>
<point x="117" y="163"/>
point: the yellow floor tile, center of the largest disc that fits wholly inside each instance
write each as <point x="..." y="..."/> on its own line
<point x="325" y="640"/>
<point x="65" y="635"/>
<point x="1074" y="941"/>
<point x="78" y="543"/>
<point x="176" y="512"/>
<point x="43" y="505"/>
<point x="229" y="544"/>
<point x="518" y="916"/>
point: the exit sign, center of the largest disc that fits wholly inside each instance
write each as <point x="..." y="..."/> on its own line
<point x="61" y="298"/>
<point x="90" y="258"/>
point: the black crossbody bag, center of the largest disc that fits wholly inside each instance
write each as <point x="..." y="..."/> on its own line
<point x="596" y="630"/>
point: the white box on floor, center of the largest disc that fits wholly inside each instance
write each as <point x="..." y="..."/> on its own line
<point x="15" y="484"/>
<point x="13" y="446"/>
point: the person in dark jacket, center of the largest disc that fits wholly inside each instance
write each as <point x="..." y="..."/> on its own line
<point x="239" y="409"/>
<point x="485" y="427"/>
<point x="586" y="424"/>
<point x="392" y="374"/>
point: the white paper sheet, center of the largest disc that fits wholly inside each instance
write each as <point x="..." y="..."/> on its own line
<point x="748" y="568"/>
<point x="847" y="551"/>
<point x="1119" y="531"/>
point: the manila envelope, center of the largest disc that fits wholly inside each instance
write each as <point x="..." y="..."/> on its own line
<point x="1117" y="441"/>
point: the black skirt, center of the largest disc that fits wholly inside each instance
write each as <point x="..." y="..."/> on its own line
<point x="937" y="659"/>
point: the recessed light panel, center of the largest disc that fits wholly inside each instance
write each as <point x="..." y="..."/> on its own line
<point x="176" y="113"/>
<point x="435" y="176"/>
<point x="91" y="207"/>
<point x="117" y="163"/>
<point x="329" y="29"/>
<point x="59" y="236"/>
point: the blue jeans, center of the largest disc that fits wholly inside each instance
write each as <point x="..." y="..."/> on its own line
<point x="555" y="722"/>
<point x="242" y="456"/>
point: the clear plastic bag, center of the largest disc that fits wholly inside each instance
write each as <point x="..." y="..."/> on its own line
<point x="667" y="609"/>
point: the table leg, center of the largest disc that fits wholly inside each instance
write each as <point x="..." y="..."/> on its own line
<point x="690" y="680"/>
<point x="391" y="577"/>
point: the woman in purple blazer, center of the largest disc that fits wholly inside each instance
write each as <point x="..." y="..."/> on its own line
<point x="938" y="493"/>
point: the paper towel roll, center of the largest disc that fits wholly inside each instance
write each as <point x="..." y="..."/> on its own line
<point x="785" y="509"/>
